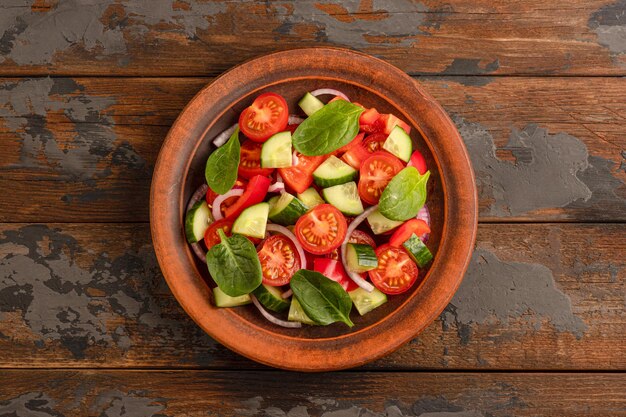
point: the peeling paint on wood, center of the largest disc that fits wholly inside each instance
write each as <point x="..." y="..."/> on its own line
<point x="27" y="105"/>
<point x="84" y="307"/>
<point x="145" y="37"/>
<point x="551" y="170"/>
<point x="497" y="291"/>
<point x="34" y="38"/>
<point x="94" y="149"/>
<point x="344" y="394"/>
<point x="116" y="403"/>
<point x="381" y="23"/>
<point x="609" y="23"/>
<point x="32" y="404"/>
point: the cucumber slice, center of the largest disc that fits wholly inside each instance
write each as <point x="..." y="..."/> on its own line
<point x="380" y="224"/>
<point x="333" y="171"/>
<point x="399" y="143"/>
<point x="286" y="209"/>
<point x="296" y="313"/>
<point x="197" y="220"/>
<point x="271" y="298"/>
<point x="311" y="198"/>
<point x="361" y="258"/>
<point x="417" y="250"/>
<point x="276" y="152"/>
<point x="310" y="104"/>
<point x="224" y="300"/>
<point x="252" y="221"/>
<point x="367" y="301"/>
<point x="345" y="197"/>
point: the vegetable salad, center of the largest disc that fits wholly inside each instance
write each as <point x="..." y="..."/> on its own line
<point x="307" y="217"/>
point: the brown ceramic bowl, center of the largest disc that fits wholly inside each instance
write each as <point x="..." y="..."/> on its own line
<point x="451" y="199"/>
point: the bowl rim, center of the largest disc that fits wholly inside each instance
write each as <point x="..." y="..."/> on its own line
<point x="407" y="320"/>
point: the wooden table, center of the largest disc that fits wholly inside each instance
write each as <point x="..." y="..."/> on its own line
<point x="89" y="90"/>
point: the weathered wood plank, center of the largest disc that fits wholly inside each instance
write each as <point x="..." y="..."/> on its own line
<point x="461" y="37"/>
<point x="346" y="394"/>
<point x="83" y="149"/>
<point x="536" y="296"/>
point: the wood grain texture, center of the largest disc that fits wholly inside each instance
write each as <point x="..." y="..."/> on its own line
<point x="536" y="296"/>
<point x="436" y="37"/>
<point x="346" y="394"/>
<point x="543" y="149"/>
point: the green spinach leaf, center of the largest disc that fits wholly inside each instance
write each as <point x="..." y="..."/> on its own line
<point x="328" y="129"/>
<point x="221" y="167"/>
<point x="323" y="300"/>
<point x="234" y="265"/>
<point x="405" y="195"/>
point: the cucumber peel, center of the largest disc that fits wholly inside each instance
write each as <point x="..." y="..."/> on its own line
<point x="271" y="298"/>
<point x="197" y="220"/>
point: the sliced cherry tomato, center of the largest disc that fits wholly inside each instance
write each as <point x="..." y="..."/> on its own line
<point x="418" y="161"/>
<point x="358" y="236"/>
<point x="374" y="128"/>
<point x="334" y="270"/>
<point x="374" y="142"/>
<point x="396" y="272"/>
<point x="250" y="160"/>
<point x="375" y="173"/>
<point x="279" y="260"/>
<point x="267" y="115"/>
<point x="321" y="230"/>
<point x="292" y="128"/>
<point x="334" y="255"/>
<point x="358" y="139"/>
<point x="211" y="238"/>
<point x="355" y="156"/>
<point x="299" y="177"/>
<point x="255" y="193"/>
<point x="404" y="232"/>
<point x="369" y="117"/>
<point x="387" y="122"/>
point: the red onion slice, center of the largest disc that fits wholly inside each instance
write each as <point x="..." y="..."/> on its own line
<point x="358" y="280"/>
<point x="217" y="203"/>
<point x="287" y="294"/>
<point x="277" y="187"/>
<point x="223" y="137"/>
<point x="294" y="158"/>
<point x="294" y="120"/>
<point x="332" y="91"/>
<point x="424" y="214"/>
<point x="199" y="251"/>
<point x="282" y="229"/>
<point x="279" y="178"/>
<point x="199" y="194"/>
<point x="269" y="317"/>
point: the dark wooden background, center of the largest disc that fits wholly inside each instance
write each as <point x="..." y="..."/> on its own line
<point x="88" y="92"/>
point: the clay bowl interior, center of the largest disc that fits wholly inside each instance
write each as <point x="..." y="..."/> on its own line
<point x="292" y="91"/>
<point x="180" y="170"/>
